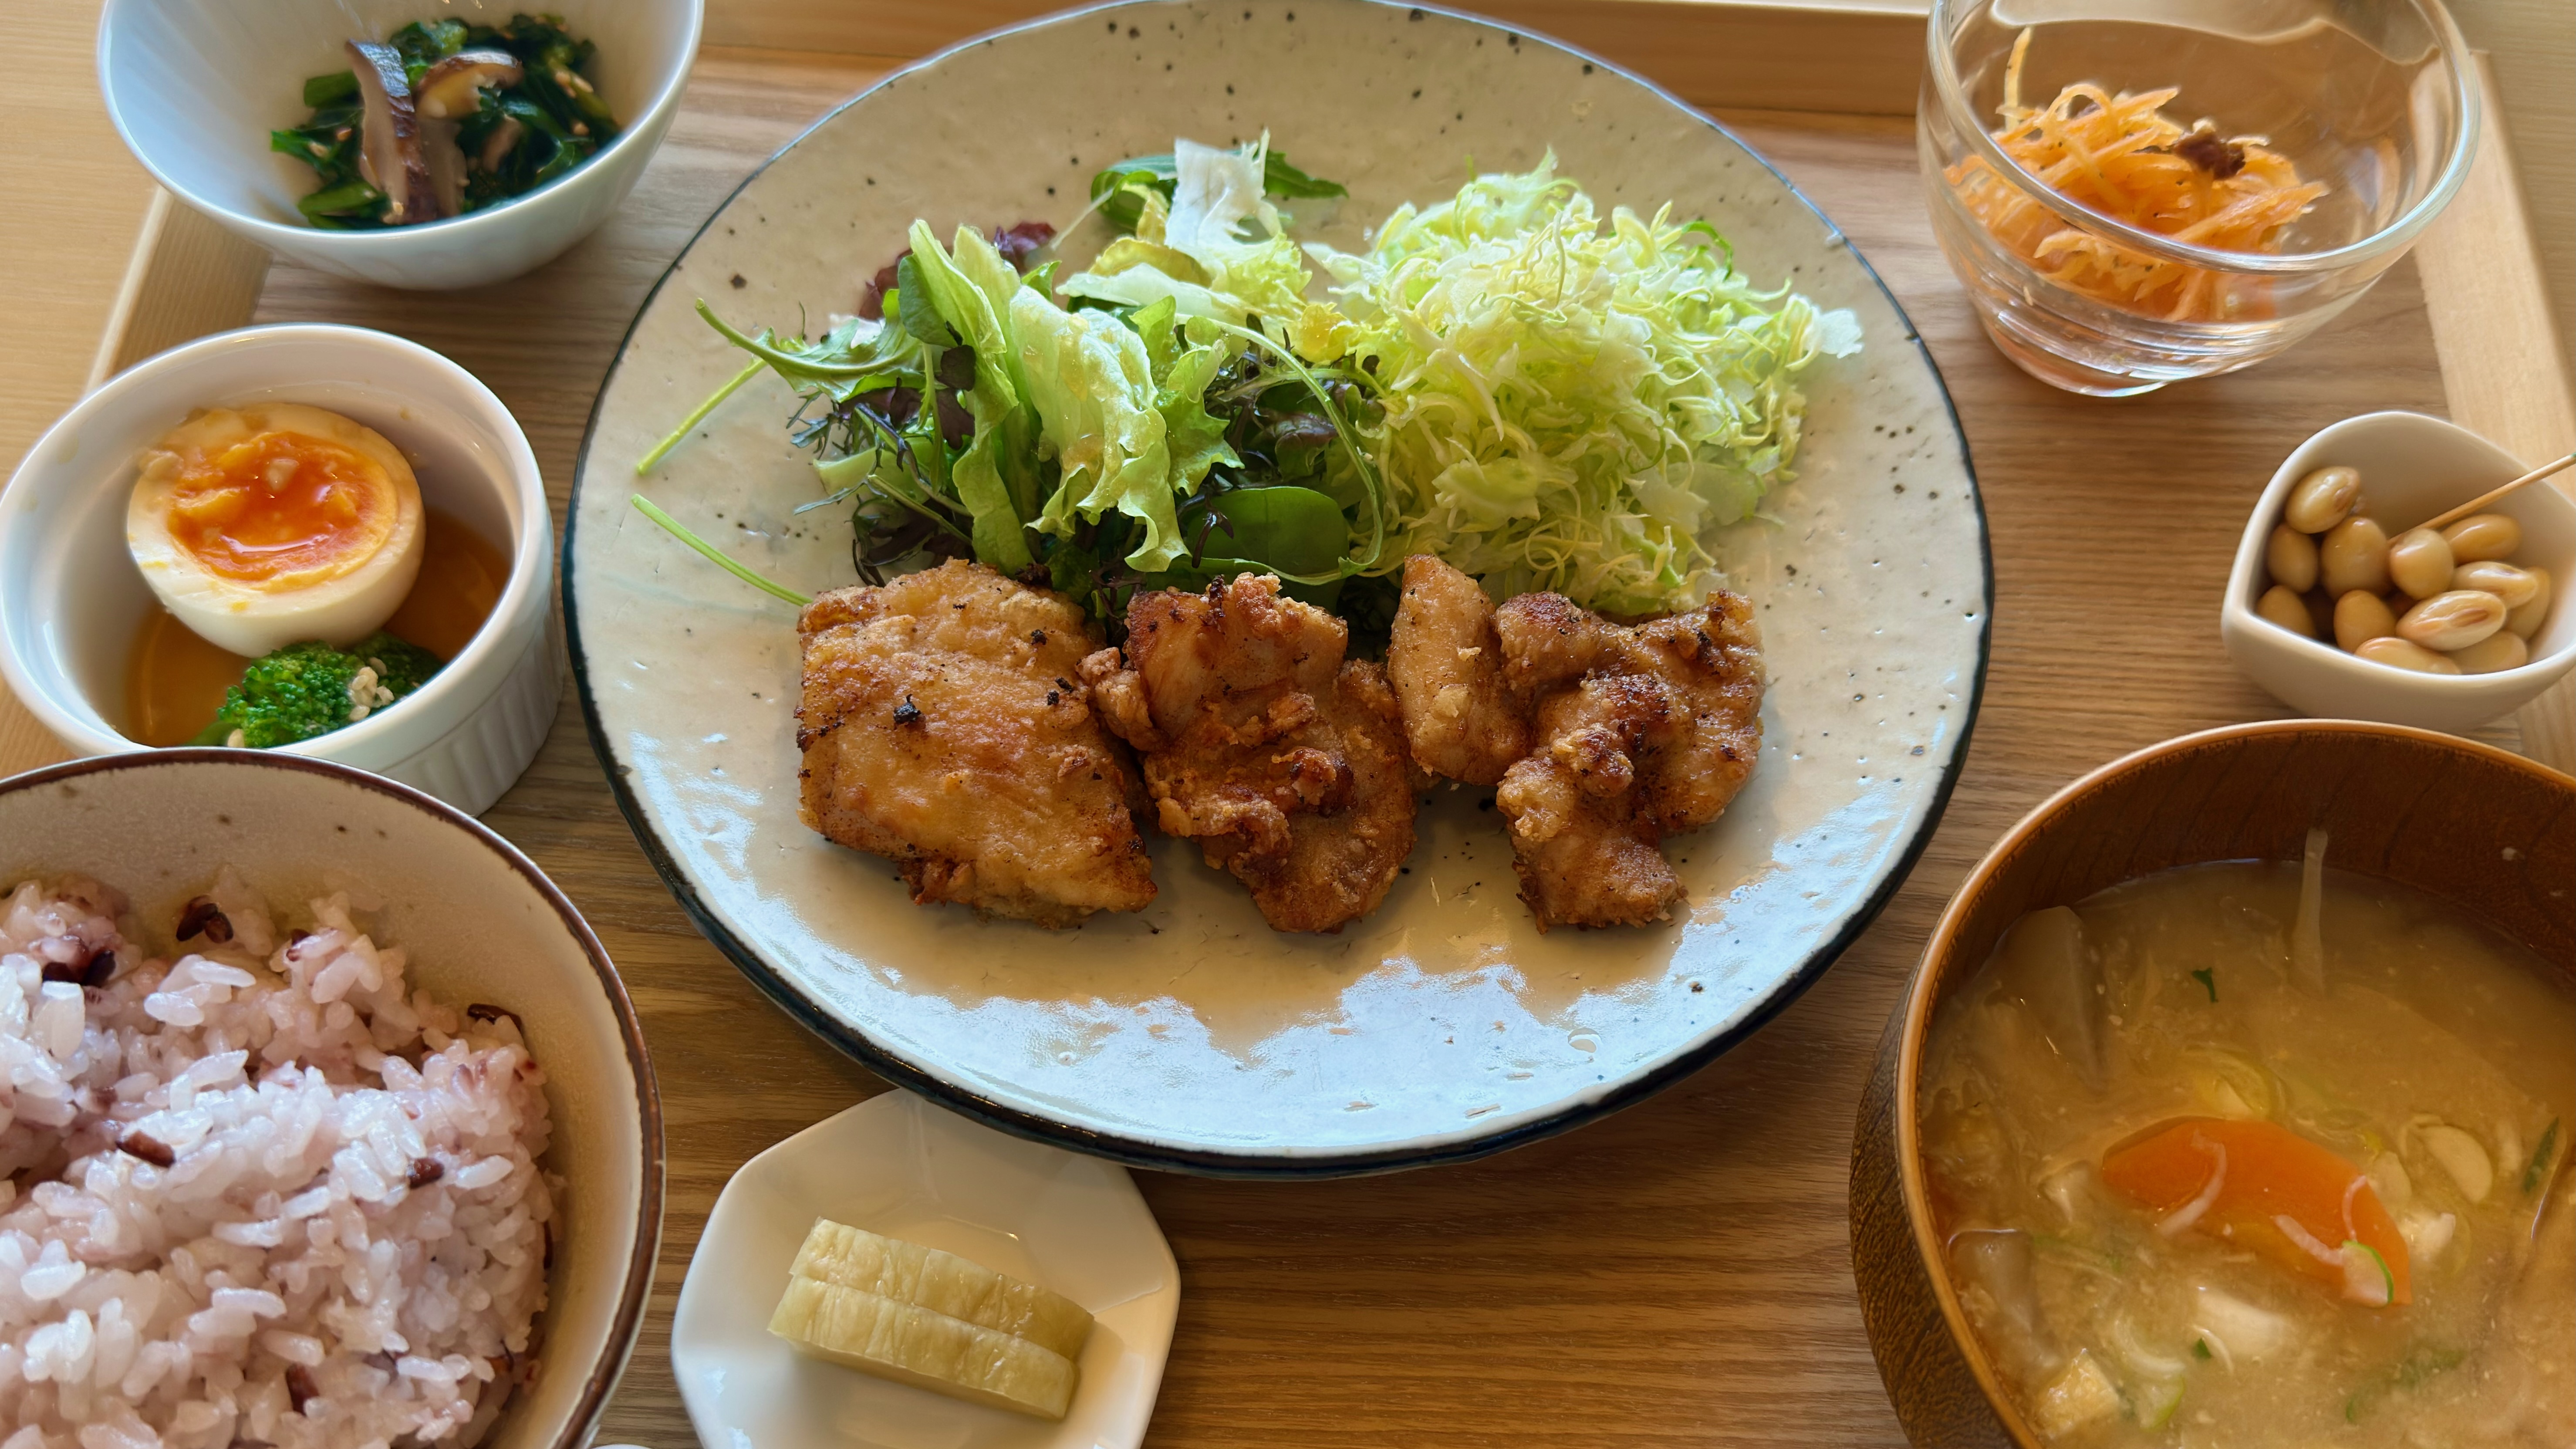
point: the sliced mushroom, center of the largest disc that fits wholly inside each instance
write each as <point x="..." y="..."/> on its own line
<point x="452" y="89"/>
<point x="446" y="165"/>
<point x="389" y="150"/>
<point x="497" y="146"/>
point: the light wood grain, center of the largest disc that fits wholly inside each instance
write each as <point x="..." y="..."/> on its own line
<point x="1678" y="1273"/>
<point x="70" y="202"/>
<point x="188" y="277"/>
<point x="2503" y="371"/>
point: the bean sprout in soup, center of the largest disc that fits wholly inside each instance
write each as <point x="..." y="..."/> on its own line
<point x="2223" y="1162"/>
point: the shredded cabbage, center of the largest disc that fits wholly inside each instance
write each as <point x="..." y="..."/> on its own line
<point x="1568" y="406"/>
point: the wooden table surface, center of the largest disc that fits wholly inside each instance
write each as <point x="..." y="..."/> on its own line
<point x="1678" y="1273"/>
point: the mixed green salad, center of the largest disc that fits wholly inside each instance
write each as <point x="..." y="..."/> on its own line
<point x="1546" y="398"/>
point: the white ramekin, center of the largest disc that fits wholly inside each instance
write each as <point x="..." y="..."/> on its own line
<point x="71" y="598"/>
<point x="2412" y="468"/>
<point x="195" y="86"/>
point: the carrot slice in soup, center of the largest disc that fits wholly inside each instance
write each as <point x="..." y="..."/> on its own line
<point x="2269" y="1190"/>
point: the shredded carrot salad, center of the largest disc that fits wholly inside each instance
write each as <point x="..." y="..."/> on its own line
<point x="2121" y="156"/>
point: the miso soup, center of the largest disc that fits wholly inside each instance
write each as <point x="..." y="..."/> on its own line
<point x="2222" y="1164"/>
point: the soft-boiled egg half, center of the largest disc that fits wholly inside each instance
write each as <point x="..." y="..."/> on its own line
<point x="275" y="524"/>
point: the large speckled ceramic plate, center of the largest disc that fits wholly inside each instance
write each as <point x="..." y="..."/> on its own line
<point x="1191" y="1036"/>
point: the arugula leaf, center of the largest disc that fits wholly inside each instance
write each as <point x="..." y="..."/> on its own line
<point x="1280" y="177"/>
<point x="841" y="366"/>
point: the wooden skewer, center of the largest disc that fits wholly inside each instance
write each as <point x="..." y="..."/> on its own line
<point x="2482" y="500"/>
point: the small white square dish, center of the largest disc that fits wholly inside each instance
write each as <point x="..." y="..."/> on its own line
<point x="898" y="1166"/>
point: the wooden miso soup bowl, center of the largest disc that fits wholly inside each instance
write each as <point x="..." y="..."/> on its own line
<point x="2488" y="831"/>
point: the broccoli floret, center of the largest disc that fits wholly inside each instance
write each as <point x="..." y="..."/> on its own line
<point x="305" y="690"/>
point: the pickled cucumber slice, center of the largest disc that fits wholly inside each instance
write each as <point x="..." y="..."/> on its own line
<point x="944" y="1283"/>
<point x="914" y="1345"/>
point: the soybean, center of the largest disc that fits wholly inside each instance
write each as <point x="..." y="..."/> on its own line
<point x="2524" y="622"/>
<point x="2282" y="605"/>
<point x="2498" y="651"/>
<point x="2354" y="556"/>
<point x="2360" y="616"/>
<point x="2482" y="536"/>
<point x="2420" y="563"/>
<point x="2399" y="654"/>
<point x="2291" y="558"/>
<point x="2323" y="499"/>
<point x="2494" y="576"/>
<point x="2454" y="620"/>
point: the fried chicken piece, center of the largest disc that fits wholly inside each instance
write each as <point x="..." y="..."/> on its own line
<point x="1608" y="737"/>
<point x="943" y="725"/>
<point x="1446" y="664"/>
<point x="1284" y="761"/>
<point x="1642" y="732"/>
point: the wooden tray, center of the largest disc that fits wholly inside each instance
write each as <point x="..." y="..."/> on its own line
<point x="1680" y="1271"/>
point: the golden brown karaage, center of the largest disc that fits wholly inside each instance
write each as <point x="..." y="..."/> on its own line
<point x="1633" y="732"/>
<point x="1282" y="759"/>
<point x="945" y="725"/>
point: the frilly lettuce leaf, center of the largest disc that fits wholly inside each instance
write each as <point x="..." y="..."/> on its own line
<point x="1097" y="405"/>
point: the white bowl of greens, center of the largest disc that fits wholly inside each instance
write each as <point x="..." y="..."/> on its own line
<point x="198" y="87"/>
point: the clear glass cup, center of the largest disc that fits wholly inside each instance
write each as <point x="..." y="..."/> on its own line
<point x="2374" y="98"/>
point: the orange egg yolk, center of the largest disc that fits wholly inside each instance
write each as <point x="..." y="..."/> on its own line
<point x="281" y="506"/>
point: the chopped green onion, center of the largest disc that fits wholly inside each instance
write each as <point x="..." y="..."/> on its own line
<point x="680" y="531"/>
<point x="2200" y="1348"/>
<point x="2531" y="1176"/>
<point x="2208" y="979"/>
<point x="2363" y="1271"/>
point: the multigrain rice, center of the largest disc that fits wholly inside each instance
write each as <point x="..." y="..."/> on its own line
<point x="258" y="1194"/>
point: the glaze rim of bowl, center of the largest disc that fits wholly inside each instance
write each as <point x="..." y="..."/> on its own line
<point x="1921" y="995"/>
<point x="634" y="1293"/>
<point x="462" y="686"/>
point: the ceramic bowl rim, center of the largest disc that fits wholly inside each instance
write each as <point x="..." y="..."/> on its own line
<point x="1915" y="1012"/>
<point x="463" y="230"/>
<point x="531" y="552"/>
<point x="626" y="1324"/>
<point x="1136" y="1151"/>
<point x="2237" y="611"/>
<point x="1941" y="74"/>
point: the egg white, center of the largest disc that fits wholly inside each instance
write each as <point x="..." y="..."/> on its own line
<point x="246" y="616"/>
